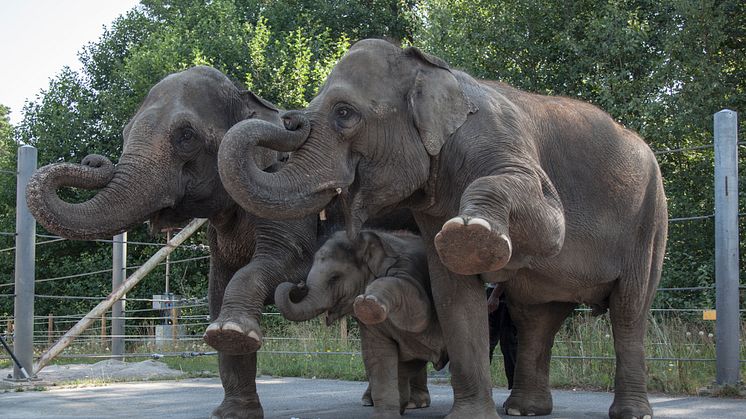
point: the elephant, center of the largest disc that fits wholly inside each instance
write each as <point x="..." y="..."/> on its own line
<point x="382" y="278"/>
<point x="548" y="195"/>
<point x="168" y="174"/>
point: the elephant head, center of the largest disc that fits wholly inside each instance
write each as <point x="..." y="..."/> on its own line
<point x="167" y="172"/>
<point x="372" y="135"/>
<point x="341" y="270"/>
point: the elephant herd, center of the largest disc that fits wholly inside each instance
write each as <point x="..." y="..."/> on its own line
<point x="547" y="195"/>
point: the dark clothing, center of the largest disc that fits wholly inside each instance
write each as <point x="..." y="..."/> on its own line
<point x="503" y="330"/>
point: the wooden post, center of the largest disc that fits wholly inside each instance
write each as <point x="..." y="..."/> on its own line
<point x="103" y="330"/>
<point x="50" y="328"/>
<point x="174" y="323"/>
<point x="343" y="329"/>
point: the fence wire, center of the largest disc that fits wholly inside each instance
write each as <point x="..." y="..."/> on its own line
<point x="52" y="327"/>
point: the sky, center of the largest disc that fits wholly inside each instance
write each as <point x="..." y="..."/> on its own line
<point x="39" y="37"/>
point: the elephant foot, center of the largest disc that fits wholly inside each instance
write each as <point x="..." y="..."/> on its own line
<point x="418" y="399"/>
<point x="369" y="310"/>
<point x="630" y="408"/>
<point x="464" y="411"/>
<point x="386" y="414"/>
<point x="234" y="336"/>
<point x="534" y="404"/>
<point x="367" y="400"/>
<point x="468" y="246"/>
<point x="233" y="409"/>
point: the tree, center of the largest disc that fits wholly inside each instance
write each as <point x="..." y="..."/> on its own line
<point x="661" y="68"/>
<point x="83" y="112"/>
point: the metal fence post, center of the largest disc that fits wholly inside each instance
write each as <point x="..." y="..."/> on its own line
<point x="23" y="310"/>
<point x="726" y="247"/>
<point x="119" y="264"/>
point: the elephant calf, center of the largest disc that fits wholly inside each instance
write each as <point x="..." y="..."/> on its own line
<point x="382" y="278"/>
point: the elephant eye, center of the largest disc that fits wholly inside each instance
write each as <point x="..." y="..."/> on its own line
<point x="185" y="139"/>
<point x="345" y="116"/>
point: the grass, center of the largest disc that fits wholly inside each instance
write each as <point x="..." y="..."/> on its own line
<point x="583" y="354"/>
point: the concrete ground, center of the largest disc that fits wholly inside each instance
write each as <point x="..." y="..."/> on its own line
<point x="305" y="399"/>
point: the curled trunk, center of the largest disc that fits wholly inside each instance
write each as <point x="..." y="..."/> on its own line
<point x="119" y="204"/>
<point x="297" y="304"/>
<point x="293" y="191"/>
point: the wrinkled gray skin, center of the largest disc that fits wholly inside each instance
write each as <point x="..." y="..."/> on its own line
<point x="546" y="194"/>
<point x="382" y="278"/>
<point x="168" y="174"/>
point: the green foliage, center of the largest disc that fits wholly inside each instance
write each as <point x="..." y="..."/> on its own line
<point x="83" y="112"/>
<point x="659" y="67"/>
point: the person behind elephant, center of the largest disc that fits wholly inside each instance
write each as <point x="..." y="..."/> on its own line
<point x="549" y="194"/>
<point x="501" y="329"/>
<point x="381" y="278"/>
<point x="167" y="174"/>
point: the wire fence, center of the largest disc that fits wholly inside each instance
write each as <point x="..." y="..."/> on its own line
<point x="153" y="333"/>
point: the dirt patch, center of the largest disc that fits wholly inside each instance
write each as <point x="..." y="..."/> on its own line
<point x="109" y="370"/>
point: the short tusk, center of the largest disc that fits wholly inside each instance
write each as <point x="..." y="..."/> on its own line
<point x="339" y="191"/>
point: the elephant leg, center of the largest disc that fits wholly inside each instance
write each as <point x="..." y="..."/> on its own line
<point x="238" y="376"/>
<point x="537" y="325"/>
<point x="381" y="359"/>
<point x="237" y="373"/>
<point x="236" y="330"/>
<point x="629" y="305"/>
<point x="498" y="213"/>
<point x="419" y="395"/>
<point x="462" y="313"/>
<point x="367" y="399"/>
<point x="402" y="301"/>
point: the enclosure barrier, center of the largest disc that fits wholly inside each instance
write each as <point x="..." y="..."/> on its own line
<point x="726" y="278"/>
<point x="726" y="247"/>
<point x="23" y="309"/>
<point x="117" y="294"/>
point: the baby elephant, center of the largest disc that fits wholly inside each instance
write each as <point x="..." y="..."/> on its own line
<point x="382" y="278"/>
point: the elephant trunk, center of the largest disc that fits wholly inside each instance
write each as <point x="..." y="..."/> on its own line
<point x="296" y="303"/>
<point x="116" y="207"/>
<point x="291" y="192"/>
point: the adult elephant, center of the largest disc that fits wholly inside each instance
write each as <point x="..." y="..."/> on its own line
<point x="546" y="194"/>
<point x="167" y="174"/>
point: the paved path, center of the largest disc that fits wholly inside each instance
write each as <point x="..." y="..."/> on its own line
<point x="305" y="399"/>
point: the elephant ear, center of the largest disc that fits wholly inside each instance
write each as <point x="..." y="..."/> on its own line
<point x="255" y="107"/>
<point x="375" y="253"/>
<point x="437" y="102"/>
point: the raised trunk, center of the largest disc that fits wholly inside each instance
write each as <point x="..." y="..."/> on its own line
<point x="307" y="307"/>
<point x="121" y="203"/>
<point x="294" y="191"/>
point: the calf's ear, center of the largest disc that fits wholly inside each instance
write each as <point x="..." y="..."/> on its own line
<point x="375" y="254"/>
<point x="437" y="101"/>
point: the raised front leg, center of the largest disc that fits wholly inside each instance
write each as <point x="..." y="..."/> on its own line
<point x="537" y="325"/>
<point x="461" y="309"/>
<point x="381" y="358"/>
<point x="283" y="254"/>
<point x="401" y="300"/>
<point x="237" y="373"/>
<point x="499" y="215"/>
